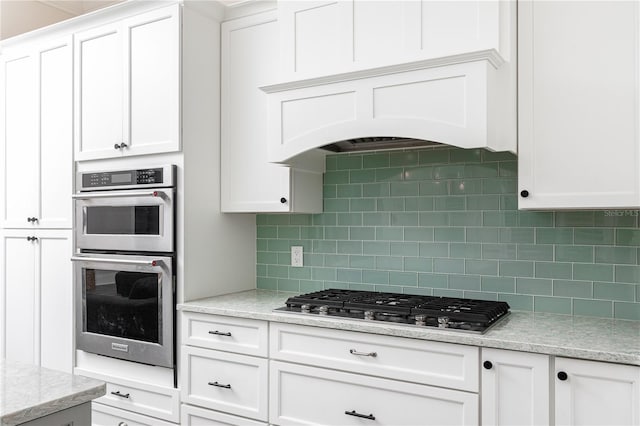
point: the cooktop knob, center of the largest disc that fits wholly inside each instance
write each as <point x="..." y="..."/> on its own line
<point x="323" y="310"/>
<point x="443" y="322"/>
<point x="421" y="320"/>
<point x="305" y="309"/>
<point x="369" y="315"/>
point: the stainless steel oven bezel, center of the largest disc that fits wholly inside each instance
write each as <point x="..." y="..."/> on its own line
<point x="160" y="354"/>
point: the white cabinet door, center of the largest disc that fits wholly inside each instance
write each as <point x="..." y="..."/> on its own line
<point x="20" y="153"/>
<point x="515" y="388"/>
<point x="152" y="113"/>
<point x="579" y="114"/>
<point x="20" y="303"/>
<point x="249" y="183"/>
<point x="596" y="393"/>
<point x="38" y="299"/>
<point x="54" y="268"/>
<point x="56" y="134"/>
<point x="128" y="86"/>
<point x="99" y="77"/>
<point x="37" y="155"/>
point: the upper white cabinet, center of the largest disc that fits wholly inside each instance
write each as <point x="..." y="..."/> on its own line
<point x="249" y="183"/>
<point x="596" y="393"/>
<point x="37" y="119"/>
<point x="127" y="84"/>
<point x="328" y="37"/>
<point x="579" y="115"/>
<point x="515" y="388"/>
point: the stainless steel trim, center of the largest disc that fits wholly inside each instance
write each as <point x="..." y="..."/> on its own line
<point x="168" y="172"/>
<point x="117" y="194"/>
<point x="117" y="261"/>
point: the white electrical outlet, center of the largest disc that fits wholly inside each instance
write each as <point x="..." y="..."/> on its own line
<point x="296" y="256"/>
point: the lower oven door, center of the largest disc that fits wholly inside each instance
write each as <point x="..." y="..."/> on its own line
<point x="125" y="307"/>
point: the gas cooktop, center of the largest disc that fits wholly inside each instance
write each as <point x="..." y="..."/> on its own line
<point x="470" y="315"/>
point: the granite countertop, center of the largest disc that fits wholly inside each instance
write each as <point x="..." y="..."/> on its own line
<point x="553" y="334"/>
<point x="28" y="392"/>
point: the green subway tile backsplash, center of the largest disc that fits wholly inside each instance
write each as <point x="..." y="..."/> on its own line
<point x="443" y="221"/>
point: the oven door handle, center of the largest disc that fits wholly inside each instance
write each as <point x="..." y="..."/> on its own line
<point x="119" y="261"/>
<point x="89" y="196"/>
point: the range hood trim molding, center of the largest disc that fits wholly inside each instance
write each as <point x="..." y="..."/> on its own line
<point x="490" y="55"/>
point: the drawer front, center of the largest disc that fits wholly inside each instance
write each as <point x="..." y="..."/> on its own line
<point x="149" y="400"/>
<point x="231" y="383"/>
<point x="103" y="415"/>
<point x="420" y="361"/>
<point x="195" y="416"/>
<point x="309" y="395"/>
<point x="245" y="336"/>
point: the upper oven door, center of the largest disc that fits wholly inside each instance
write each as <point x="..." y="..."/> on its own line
<point x="133" y="220"/>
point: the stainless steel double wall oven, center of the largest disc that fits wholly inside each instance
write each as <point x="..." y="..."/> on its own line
<point x="124" y="264"/>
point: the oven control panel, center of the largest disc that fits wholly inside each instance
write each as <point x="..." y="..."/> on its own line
<point x="124" y="179"/>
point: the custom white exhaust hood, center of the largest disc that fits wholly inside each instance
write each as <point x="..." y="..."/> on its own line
<point x="465" y="99"/>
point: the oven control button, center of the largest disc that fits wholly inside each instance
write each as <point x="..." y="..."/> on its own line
<point x="421" y="320"/>
<point x="369" y="315"/>
<point x="305" y="309"/>
<point x="323" y="310"/>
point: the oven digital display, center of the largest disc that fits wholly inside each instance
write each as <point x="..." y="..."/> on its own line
<point x="121" y="178"/>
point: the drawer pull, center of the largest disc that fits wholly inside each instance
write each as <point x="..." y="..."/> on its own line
<point x="362" y="416"/>
<point x="220" y="333"/>
<point x="117" y="393"/>
<point x="371" y="354"/>
<point x="219" y="385"/>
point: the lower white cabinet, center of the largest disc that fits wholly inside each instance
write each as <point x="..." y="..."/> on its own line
<point x="596" y="393"/>
<point x="194" y="416"/>
<point x="37" y="309"/>
<point x="515" y="388"/>
<point x="308" y="395"/>
<point x="103" y="415"/>
<point x="232" y="383"/>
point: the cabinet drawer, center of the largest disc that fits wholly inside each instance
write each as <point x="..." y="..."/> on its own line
<point x="143" y="398"/>
<point x="239" y="335"/>
<point x="103" y="415"/>
<point x="309" y="395"/>
<point x="232" y="383"/>
<point x="432" y="363"/>
<point x="194" y="416"/>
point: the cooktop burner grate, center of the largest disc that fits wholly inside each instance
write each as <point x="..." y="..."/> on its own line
<point x="426" y="311"/>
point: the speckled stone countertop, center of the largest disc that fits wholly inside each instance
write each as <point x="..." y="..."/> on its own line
<point x="563" y="335"/>
<point x="28" y="392"/>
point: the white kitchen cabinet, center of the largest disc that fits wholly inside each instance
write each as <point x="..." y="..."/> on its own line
<point x="329" y="37"/>
<point x="104" y="415"/>
<point x="249" y="183"/>
<point x="308" y="395"/>
<point x="37" y="139"/>
<point x="579" y="143"/>
<point x="127" y="86"/>
<point x="195" y="416"/>
<point x="515" y="388"/>
<point x="37" y="315"/>
<point x="596" y="393"/>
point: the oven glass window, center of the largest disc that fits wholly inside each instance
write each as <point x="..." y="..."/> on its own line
<point x="123" y="220"/>
<point x="123" y="304"/>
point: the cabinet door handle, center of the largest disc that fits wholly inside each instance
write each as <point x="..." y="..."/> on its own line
<point x="362" y="416"/>
<point x="355" y="352"/>
<point x="120" y="145"/>
<point x="122" y="424"/>
<point x="219" y="385"/>
<point x="488" y="365"/>
<point x="32" y="238"/>
<point x="220" y="333"/>
<point x="283" y="200"/>
<point x="117" y="393"/>
<point x="562" y="376"/>
<point x="32" y="219"/>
